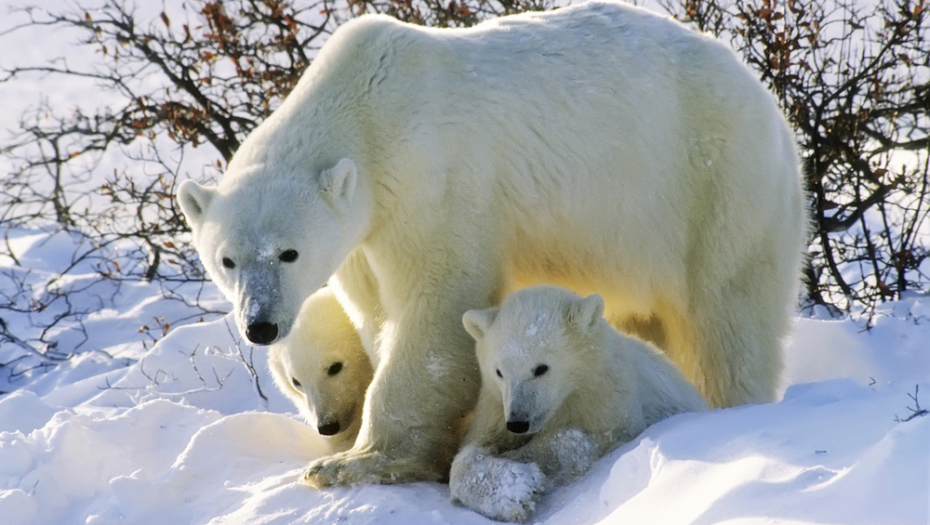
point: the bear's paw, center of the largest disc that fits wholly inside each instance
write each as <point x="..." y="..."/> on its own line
<point x="359" y="467"/>
<point x="498" y="488"/>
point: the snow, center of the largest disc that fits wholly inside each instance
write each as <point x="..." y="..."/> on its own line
<point x="186" y="426"/>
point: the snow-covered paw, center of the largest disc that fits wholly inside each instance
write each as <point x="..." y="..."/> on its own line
<point x="574" y="452"/>
<point x="498" y="488"/>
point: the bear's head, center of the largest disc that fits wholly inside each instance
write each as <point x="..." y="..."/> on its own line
<point x="269" y="242"/>
<point x="323" y="368"/>
<point x="529" y="350"/>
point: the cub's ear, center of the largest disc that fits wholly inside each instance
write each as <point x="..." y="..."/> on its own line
<point x="194" y="200"/>
<point x="585" y="313"/>
<point x="338" y="183"/>
<point x="476" y="322"/>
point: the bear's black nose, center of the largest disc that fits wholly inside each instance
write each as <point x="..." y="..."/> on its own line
<point x="518" y="427"/>
<point x="261" y="333"/>
<point x="328" y="429"/>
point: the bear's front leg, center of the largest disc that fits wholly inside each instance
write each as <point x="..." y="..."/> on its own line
<point x="499" y="488"/>
<point x="415" y="409"/>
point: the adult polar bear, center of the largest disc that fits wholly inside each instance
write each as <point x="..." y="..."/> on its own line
<point x="426" y="172"/>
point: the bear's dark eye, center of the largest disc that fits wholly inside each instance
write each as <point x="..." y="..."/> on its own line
<point x="540" y="370"/>
<point x="295" y="381"/>
<point x="228" y="263"/>
<point x="334" y="369"/>
<point x="288" y="256"/>
<point x="499" y="374"/>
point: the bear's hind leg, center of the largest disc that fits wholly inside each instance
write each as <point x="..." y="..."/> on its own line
<point x="729" y="344"/>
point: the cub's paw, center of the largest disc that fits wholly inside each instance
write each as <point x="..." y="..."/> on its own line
<point x="499" y="488"/>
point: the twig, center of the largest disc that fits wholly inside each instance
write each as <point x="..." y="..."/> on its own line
<point x="916" y="411"/>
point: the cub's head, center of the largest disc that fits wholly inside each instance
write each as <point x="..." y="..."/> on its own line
<point x="529" y="350"/>
<point x="269" y="242"/>
<point x="323" y="368"/>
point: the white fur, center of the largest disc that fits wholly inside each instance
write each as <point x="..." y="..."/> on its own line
<point x="549" y="358"/>
<point x="302" y="367"/>
<point x="426" y="172"/>
<point x="496" y="487"/>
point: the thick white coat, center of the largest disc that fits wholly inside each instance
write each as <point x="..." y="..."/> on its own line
<point x="426" y="172"/>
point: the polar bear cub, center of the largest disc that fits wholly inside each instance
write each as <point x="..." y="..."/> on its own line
<point x="560" y="388"/>
<point x="324" y="369"/>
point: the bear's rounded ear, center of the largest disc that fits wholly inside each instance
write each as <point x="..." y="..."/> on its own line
<point x="338" y="183"/>
<point x="194" y="200"/>
<point x="476" y="322"/>
<point x="586" y="312"/>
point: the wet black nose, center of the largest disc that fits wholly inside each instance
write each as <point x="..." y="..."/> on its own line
<point x="262" y="333"/>
<point x="329" y="429"/>
<point x="518" y="427"/>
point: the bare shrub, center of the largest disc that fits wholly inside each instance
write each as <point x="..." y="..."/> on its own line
<point x="854" y="81"/>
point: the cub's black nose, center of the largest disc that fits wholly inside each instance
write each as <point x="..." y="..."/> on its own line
<point x="329" y="429"/>
<point x="518" y="427"/>
<point x="262" y="333"/>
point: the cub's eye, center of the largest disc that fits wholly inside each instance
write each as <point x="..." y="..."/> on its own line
<point x="288" y="256"/>
<point x="228" y="263"/>
<point x="334" y="369"/>
<point x="499" y="374"/>
<point x="540" y="370"/>
<point x="295" y="381"/>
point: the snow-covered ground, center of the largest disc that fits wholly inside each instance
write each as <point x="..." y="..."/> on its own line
<point x="183" y="435"/>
